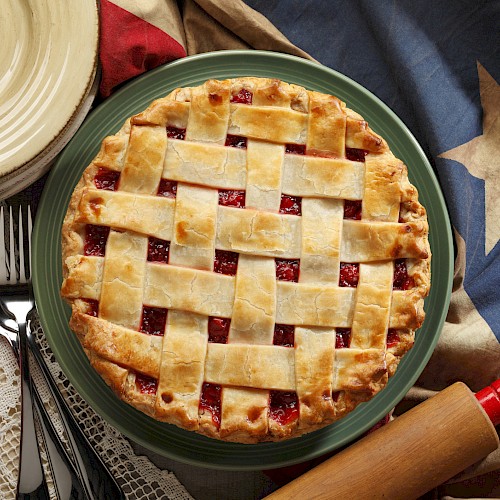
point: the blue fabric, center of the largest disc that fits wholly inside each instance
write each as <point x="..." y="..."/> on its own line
<point x="420" y="58"/>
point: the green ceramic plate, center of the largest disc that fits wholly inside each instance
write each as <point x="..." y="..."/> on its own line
<point x="166" y="439"/>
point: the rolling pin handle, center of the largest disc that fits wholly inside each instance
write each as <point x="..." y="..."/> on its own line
<point x="489" y="398"/>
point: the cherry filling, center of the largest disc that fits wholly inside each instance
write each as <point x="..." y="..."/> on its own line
<point x="352" y="209"/>
<point x="284" y="335"/>
<point x="283" y="406"/>
<point x="354" y="154"/>
<point x="145" y="384"/>
<point x="153" y="320"/>
<point x="335" y="396"/>
<point x="92" y="307"/>
<point x="232" y="198"/>
<point x="401" y="279"/>
<point x="218" y="330"/>
<point x="211" y="400"/>
<point x="167" y="188"/>
<point x="291" y="205"/>
<point x="158" y="250"/>
<point x="106" y="179"/>
<point x="392" y="338"/>
<point x="236" y="141"/>
<point x="95" y="240"/>
<point x="295" y="149"/>
<point x="244" y="96"/>
<point x="349" y="275"/>
<point x="176" y="133"/>
<point x="226" y="262"/>
<point x="287" y="269"/>
<point x="342" y="338"/>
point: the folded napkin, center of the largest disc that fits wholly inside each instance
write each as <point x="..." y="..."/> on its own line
<point x="436" y="66"/>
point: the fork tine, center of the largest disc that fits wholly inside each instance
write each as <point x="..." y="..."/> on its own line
<point x="4" y="245"/>
<point x="13" y="267"/>
<point x="30" y="230"/>
<point x="24" y="244"/>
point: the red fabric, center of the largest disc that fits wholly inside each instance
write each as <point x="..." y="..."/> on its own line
<point x="130" y="46"/>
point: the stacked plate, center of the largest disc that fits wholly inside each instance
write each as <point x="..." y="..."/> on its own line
<point x="48" y="66"/>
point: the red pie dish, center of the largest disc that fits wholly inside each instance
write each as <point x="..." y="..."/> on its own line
<point x="246" y="259"/>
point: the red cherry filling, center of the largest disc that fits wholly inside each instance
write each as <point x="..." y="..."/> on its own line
<point x="232" y="198"/>
<point x="226" y="262"/>
<point x="153" y="320"/>
<point x="158" y="250"/>
<point x="106" y="179"/>
<point x="352" y="209"/>
<point x="392" y="338"/>
<point x="335" y="396"/>
<point x="167" y="188"/>
<point x="342" y="338"/>
<point x="283" y="406"/>
<point x="176" y="133"/>
<point x="295" y="149"/>
<point x="236" y="141"/>
<point x="291" y="205"/>
<point x="244" y="96"/>
<point x="349" y="275"/>
<point x="95" y="240"/>
<point x="284" y="335"/>
<point x="211" y="400"/>
<point x="287" y="269"/>
<point x="218" y="330"/>
<point x="354" y="154"/>
<point x="145" y="384"/>
<point x="401" y="279"/>
<point x="92" y="307"/>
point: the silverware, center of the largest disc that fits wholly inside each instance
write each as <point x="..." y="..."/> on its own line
<point x="90" y="478"/>
<point x="65" y="478"/>
<point x="96" y="477"/>
<point x="16" y="303"/>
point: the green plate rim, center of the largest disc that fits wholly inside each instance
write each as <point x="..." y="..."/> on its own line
<point x="168" y="440"/>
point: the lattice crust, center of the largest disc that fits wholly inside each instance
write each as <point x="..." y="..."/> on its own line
<point x="246" y="259"/>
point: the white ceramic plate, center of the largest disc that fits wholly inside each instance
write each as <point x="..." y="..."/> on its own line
<point x="48" y="65"/>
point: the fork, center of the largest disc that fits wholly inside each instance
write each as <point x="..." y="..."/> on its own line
<point x="16" y="304"/>
<point x="91" y="478"/>
<point x="65" y="477"/>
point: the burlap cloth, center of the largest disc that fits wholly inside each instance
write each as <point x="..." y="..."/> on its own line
<point x="135" y="37"/>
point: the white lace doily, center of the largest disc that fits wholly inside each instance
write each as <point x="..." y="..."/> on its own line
<point x="137" y="475"/>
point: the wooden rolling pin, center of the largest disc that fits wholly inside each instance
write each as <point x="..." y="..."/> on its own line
<point x="409" y="456"/>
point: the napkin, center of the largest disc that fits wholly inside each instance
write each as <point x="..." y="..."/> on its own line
<point x="436" y="65"/>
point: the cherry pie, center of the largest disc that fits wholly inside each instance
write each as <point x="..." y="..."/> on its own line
<point x="246" y="259"/>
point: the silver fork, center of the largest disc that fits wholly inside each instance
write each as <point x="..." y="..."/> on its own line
<point x="16" y="303"/>
<point x="88" y="477"/>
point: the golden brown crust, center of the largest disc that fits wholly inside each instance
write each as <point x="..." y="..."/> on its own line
<point x="328" y="381"/>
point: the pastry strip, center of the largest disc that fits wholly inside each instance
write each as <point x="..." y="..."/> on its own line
<point x="195" y="223"/>
<point x="144" y="160"/>
<point x="241" y="365"/>
<point x="123" y="276"/>
<point x="181" y="371"/>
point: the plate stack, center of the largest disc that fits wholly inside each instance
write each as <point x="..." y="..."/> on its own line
<point x="48" y="67"/>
